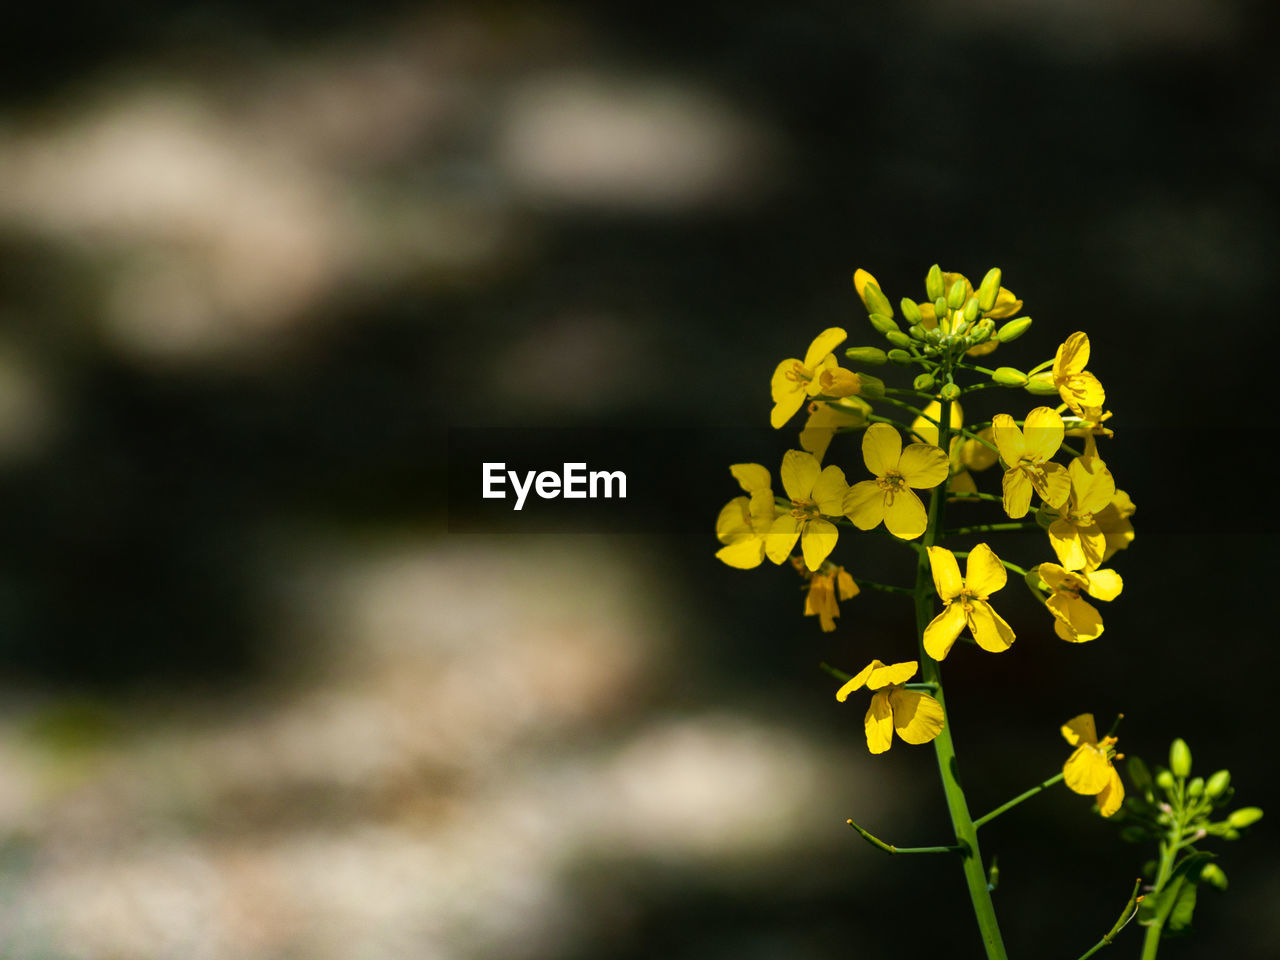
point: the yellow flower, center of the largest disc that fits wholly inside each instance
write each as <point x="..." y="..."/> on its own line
<point x="744" y="521"/>
<point x="826" y="419"/>
<point x="1089" y="770"/>
<point x="1114" y="522"/>
<point x="794" y="381"/>
<point x="916" y="716"/>
<point x="1026" y="454"/>
<point x="814" y="492"/>
<point x="889" y="497"/>
<point x="1078" y="388"/>
<point x="824" y="586"/>
<point x="1076" y="619"/>
<point x="1076" y="537"/>
<point x="965" y="601"/>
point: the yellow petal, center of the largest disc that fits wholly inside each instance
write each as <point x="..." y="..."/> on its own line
<point x="800" y="471"/>
<point x="881" y="448"/>
<point x="1092" y="485"/>
<point x="845" y="585"/>
<point x="1053" y="483"/>
<point x="817" y="541"/>
<point x="820" y="373"/>
<point x="1017" y="493"/>
<point x="984" y="574"/>
<point x="1080" y="729"/>
<point x="829" y="491"/>
<point x="1111" y="796"/>
<point x="745" y="554"/>
<point x="926" y="431"/>
<point x="1065" y="539"/>
<point x="904" y="515"/>
<point x="1079" y="619"/>
<point x="1008" y="439"/>
<point x="978" y="456"/>
<point x="1072" y="356"/>
<point x="734" y="522"/>
<point x="879" y="723"/>
<point x="1006" y="305"/>
<point x="750" y="476"/>
<point x="1087" y="770"/>
<point x="917" y="717"/>
<point x="1082" y="392"/>
<point x="860" y="280"/>
<point x="962" y="482"/>
<point x="1093" y="544"/>
<point x="941" y="633"/>
<point x="989" y="628"/>
<point x="822" y="346"/>
<point x="1043" y="431"/>
<point x="857" y="681"/>
<point x="923" y="465"/>
<point x="864" y="504"/>
<point x="785" y="407"/>
<point x="1104" y="585"/>
<point x="886" y="674"/>
<point x="946" y="573"/>
<point x="762" y="510"/>
<point x="1055" y="576"/>
<point x="781" y="538"/>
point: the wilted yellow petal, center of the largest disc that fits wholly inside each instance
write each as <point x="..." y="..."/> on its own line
<point x="817" y="540"/>
<point x="904" y="515"/>
<point x="881" y="448"/>
<point x="941" y="633"/>
<point x="917" y="717"/>
<point x="750" y="476"/>
<point x="923" y="465"/>
<point x="886" y="674"/>
<point x="989" y="628"/>
<point x="800" y="472"/>
<point x="822" y="346"/>
<point x="864" y="504"/>
<point x="1080" y="729"/>
<point x="879" y="723"/>
<point x="946" y="573"/>
<point x="984" y="574"/>
<point x="1087" y="770"/>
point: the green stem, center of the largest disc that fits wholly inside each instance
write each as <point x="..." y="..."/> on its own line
<point x="1128" y="913"/>
<point x="966" y="833"/>
<point x="970" y="496"/>
<point x="1025" y="795"/>
<point x="890" y="848"/>
<point x="992" y="528"/>
<point x="916" y="410"/>
<point x="1168" y="854"/>
<point x="876" y="418"/>
<point x="887" y="588"/>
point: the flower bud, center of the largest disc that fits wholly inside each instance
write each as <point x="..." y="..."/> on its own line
<point x="1180" y="758"/>
<point x="930" y="351"/>
<point x="1013" y="329"/>
<point x="950" y="391"/>
<point x="1009" y="377"/>
<point x="923" y="382"/>
<point x="1212" y="874"/>
<point x="957" y="295"/>
<point x="897" y="338"/>
<point x="1244" y="817"/>
<point x="870" y="355"/>
<point x="1196" y="787"/>
<point x="933" y="336"/>
<point x="982" y="331"/>
<point x="872" y="387"/>
<point x="940" y="308"/>
<point x="933" y="284"/>
<point x="883" y="323"/>
<point x="916" y="331"/>
<point x="989" y="290"/>
<point x="1218" y="784"/>
<point x="1164" y="780"/>
<point x="911" y="311"/>
<point x="875" y="301"/>
<point x="971" y="310"/>
<point x="900" y="357"/>
<point x="1042" y="385"/>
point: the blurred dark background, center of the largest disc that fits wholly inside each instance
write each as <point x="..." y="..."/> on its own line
<point x="256" y="260"/>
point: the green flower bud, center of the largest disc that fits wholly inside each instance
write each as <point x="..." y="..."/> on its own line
<point x="1230" y="834"/>
<point x="1042" y="385"/>
<point x="1196" y="787"/>
<point x="916" y="331"/>
<point x="924" y="382"/>
<point x="1244" y="817"/>
<point x="875" y="300"/>
<point x="982" y="331"/>
<point x="930" y="351"/>
<point x="872" y="387"/>
<point x="950" y="392"/>
<point x="1133" y="835"/>
<point x="897" y="338"/>
<point x="900" y="357"/>
<point x="1013" y="329"/>
<point x="957" y="294"/>
<point x="1149" y="868"/>
<point x="1139" y="774"/>
<point x="1212" y="874"/>
<point x="1009" y="377"/>
<point x="1164" y="780"/>
<point x="971" y="310"/>
<point x="1218" y="784"/>
<point x="911" y="311"/>
<point x="989" y="290"/>
<point x="883" y="323"/>
<point x="940" y="308"/>
<point x="869" y="355"/>
<point x="933" y="283"/>
<point x="1180" y="758"/>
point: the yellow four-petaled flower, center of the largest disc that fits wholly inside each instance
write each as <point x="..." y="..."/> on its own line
<point x="966" y="601"/>
<point x="814" y="492"/>
<point x="1089" y="770"/>
<point x="795" y="381"/>
<point x="1027" y="454"/>
<point x="889" y="496"/>
<point x="916" y="717"/>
